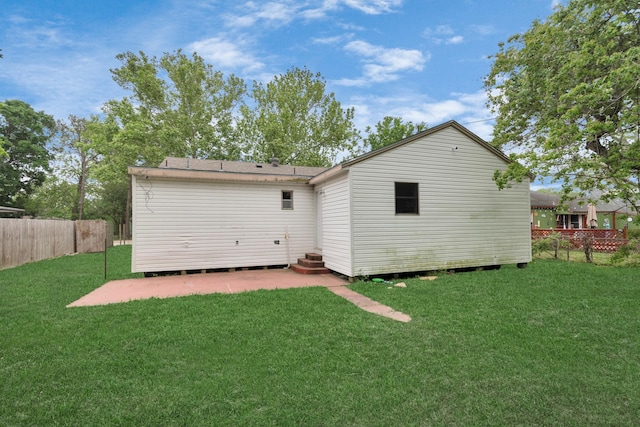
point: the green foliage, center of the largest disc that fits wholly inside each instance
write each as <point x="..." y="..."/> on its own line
<point x="390" y="130"/>
<point x="111" y="200"/>
<point x="24" y="134"/>
<point x="566" y="95"/>
<point x="295" y="120"/>
<point x="182" y="108"/>
<point x="77" y="153"/>
<point x="627" y="255"/>
<point x="55" y="198"/>
<point x="633" y="234"/>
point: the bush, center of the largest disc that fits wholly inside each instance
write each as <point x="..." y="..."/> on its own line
<point x="628" y="255"/>
<point x="633" y="234"/>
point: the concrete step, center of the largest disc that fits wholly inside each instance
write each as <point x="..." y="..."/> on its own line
<point x="313" y="257"/>
<point x="305" y="262"/>
<point x="309" y="270"/>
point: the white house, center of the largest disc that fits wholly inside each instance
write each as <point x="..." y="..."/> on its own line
<point x="427" y="202"/>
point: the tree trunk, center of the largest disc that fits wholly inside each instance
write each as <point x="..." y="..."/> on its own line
<point x="82" y="184"/>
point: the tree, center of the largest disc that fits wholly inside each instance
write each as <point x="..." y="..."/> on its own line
<point x="55" y="198"/>
<point x="24" y="134"/>
<point x="120" y="144"/>
<point x="179" y="106"/>
<point x="567" y="98"/>
<point x="78" y="154"/>
<point x="296" y="121"/>
<point x="390" y="130"/>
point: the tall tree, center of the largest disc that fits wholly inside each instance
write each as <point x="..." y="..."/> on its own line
<point x="120" y="143"/>
<point x="55" y="198"/>
<point x="183" y="107"/>
<point x="389" y="130"/>
<point x="567" y="98"/>
<point x="24" y="134"/>
<point x="295" y="120"/>
<point x="78" y="153"/>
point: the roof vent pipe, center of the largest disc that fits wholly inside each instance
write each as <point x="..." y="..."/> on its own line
<point x="275" y="162"/>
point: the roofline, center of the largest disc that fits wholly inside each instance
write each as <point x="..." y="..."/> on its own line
<point x="426" y="132"/>
<point x="329" y="173"/>
<point x="214" y="175"/>
<point x="7" y="209"/>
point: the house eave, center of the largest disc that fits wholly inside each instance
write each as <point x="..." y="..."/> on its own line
<point x="213" y="175"/>
<point x="329" y="173"/>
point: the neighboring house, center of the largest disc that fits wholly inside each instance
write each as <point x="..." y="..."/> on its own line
<point x="547" y="212"/>
<point x="427" y="202"/>
<point x="10" y="212"/>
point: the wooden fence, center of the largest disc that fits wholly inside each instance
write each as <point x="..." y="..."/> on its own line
<point x="602" y="240"/>
<point x="28" y="240"/>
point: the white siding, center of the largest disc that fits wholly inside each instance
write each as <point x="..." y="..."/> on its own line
<point x="336" y="224"/>
<point x="464" y="220"/>
<point x="192" y="225"/>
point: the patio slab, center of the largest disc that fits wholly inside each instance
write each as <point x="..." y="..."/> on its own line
<point x="193" y="284"/>
<point x="118" y="291"/>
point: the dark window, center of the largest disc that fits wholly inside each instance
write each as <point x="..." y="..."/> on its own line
<point x="407" y="198"/>
<point x="287" y="199"/>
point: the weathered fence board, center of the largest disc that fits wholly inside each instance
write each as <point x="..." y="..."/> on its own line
<point x="28" y="240"/>
<point x="91" y="235"/>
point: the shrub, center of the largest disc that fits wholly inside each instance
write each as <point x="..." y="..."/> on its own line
<point x="628" y="254"/>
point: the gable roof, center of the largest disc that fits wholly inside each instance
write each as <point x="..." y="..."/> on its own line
<point x="430" y="131"/>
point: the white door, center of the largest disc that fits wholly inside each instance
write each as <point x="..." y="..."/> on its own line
<point x="319" y="197"/>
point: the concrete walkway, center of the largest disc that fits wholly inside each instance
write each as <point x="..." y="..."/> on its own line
<point x="367" y="304"/>
<point x="118" y="291"/>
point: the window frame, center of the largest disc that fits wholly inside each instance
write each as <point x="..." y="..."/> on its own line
<point x="404" y="198"/>
<point x="284" y="200"/>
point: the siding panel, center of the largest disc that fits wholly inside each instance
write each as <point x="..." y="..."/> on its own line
<point x="192" y="225"/>
<point x="336" y="224"/>
<point x="464" y="219"/>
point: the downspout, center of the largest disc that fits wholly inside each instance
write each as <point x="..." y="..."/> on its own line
<point x="286" y="239"/>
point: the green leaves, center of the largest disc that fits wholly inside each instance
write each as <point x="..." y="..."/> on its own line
<point x="296" y="121"/>
<point x="566" y="94"/>
<point x="24" y="134"/>
<point x="390" y="130"/>
<point x="179" y="107"/>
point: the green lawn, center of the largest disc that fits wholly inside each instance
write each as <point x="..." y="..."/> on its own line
<point x="555" y="344"/>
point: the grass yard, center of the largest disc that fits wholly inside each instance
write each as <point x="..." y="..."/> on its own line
<point x="555" y="344"/>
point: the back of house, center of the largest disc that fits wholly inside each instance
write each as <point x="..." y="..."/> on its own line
<point x="425" y="203"/>
<point x="428" y="202"/>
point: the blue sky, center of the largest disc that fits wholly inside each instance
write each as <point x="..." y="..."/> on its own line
<point x="422" y="60"/>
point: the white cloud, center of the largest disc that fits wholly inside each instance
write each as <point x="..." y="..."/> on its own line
<point x="442" y="34"/>
<point x="223" y="53"/>
<point x="383" y="64"/>
<point x="484" y="30"/>
<point x="332" y="40"/>
<point x="466" y="108"/>
<point x="454" y="40"/>
<point x="369" y="7"/>
<point x="273" y="14"/>
<point x="373" y="7"/>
